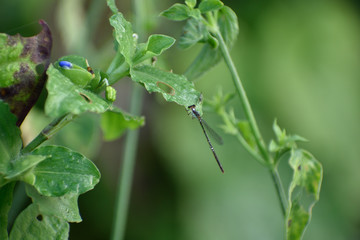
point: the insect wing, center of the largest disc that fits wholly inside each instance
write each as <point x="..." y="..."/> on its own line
<point x="212" y="133"/>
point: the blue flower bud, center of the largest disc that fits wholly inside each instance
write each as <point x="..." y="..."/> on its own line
<point x="65" y="64"/>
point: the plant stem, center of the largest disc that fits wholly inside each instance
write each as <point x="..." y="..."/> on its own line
<point x="243" y="98"/>
<point x="118" y="68"/>
<point x="279" y="189"/>
<point x="48" y="132"/>
<point x="127" y="169"/>
<point x="251" y="118"/>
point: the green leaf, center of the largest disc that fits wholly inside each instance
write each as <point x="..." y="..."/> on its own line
<point x="195" y="13"/>
<point x="204" y="61"/>
<point x="173" y="87"/>
<point x="118" y="68"/>
<point x="6" y="193"/>
<point x="11" y="163"/>
<point x="111" y="4"/>
<point x="63" y="172"/>
<point x="194" y="31"/>
<point x="22" y="164"/>
<point x="158" y="43"/>
<point x="78" y="74"/>
<point x="214" y="43"/>
<point x="10" y="140"/>
<point x="284" y="142"/>
<point x="228" y="25"/>
<point x="208" y="56"/>
<point x="65" y="97"/>
<point x="124" y="36"/>
<point x="304" y="192"/>
<point x="190" y="3"/>
<point x="31" y="224"/>
<point x="297" y="220"/>
<point x="210" y="5"/>
<point x="177" y="12"/>
<point x="273" y="146"/>
<point x="155" y="46"/>
<point x="23" y="62"/>
<point x="280" y="134"/>
<point x="307" y="172"/>
<point x="115" y="122"/>
<point x="247" y="133"/>
<point x="64" y="207"/>
<point x="231" y="124"/>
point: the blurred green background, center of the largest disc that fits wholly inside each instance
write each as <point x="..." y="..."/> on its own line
<point x="299" y="62"/>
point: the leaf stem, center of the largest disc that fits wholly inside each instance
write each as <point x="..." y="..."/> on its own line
<point x="251" y="118"/>
<point x="48" y="132"/>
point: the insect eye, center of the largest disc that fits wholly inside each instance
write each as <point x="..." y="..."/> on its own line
<point x="65" y="64"/>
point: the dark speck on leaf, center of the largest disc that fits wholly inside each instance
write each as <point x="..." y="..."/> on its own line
<point x="166" y="88"/>
<point x="86" y="98"/>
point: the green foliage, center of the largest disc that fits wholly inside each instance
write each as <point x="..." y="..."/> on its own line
<point x="155" y="46"/>
<point x="190" y="3"/>
<point x="6" y="193"/>
<point x="124" y="36"/>
<point x="32" y="224"/>
<point x="66" y="97"/>
<point x="112" y="6"/>
<point x="210" y="5"/>
<point x="304" y="191"/>
<point x="56" y="175"/>
<point x="283" y="142"/>
<point x="23" y="62"/>
<point x="177" y="12"/>
<point x="115" y="122"/>
<point x="55" y="206"/>
<point x="63" y="171"/>
<point x="173" y="87"/>
<point x="78" y="73"/>
<point x="218" y="27"/>
<point x="56" y="172"/>
<point x="46" y="217"/>
<point x="10" y="141"/>
<point x="196" y="31"/>
<point x="10" y="52"/>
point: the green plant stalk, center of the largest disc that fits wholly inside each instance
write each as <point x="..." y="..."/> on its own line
<point x="243" y="98"/>
<point x="131" y="142"/>
<point x="117" y="69"/>
<point x="49" y="131"/>
<point x="127" y="169"/>
<point x="253" y="125"/>
<point x="279" y="189"/>
<point x="250" y="149"/>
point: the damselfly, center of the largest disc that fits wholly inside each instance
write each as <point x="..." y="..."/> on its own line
<point x="213" y="134"/>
